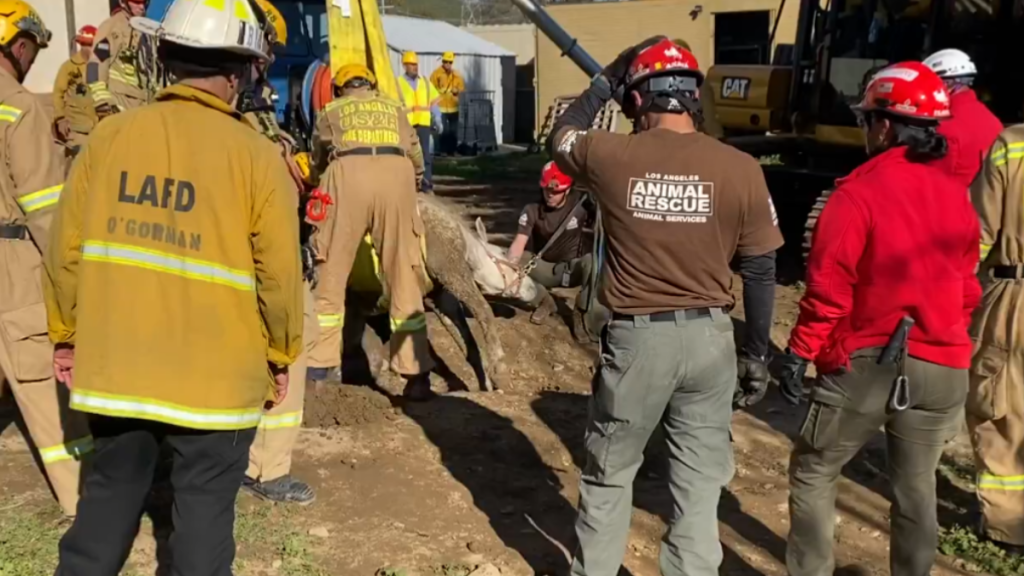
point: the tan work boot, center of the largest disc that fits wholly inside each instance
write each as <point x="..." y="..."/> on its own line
<point x="545" y="308"/>
<point x="579" y="328"/>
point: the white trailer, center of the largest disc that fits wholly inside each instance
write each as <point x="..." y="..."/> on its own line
<point x="63" y="18"/>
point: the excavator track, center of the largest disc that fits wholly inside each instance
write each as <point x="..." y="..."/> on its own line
<point x="812" y="221"/>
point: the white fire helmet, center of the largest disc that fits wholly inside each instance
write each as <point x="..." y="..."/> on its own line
<point x="951" y="63"/>
<point x="228" y="25"/>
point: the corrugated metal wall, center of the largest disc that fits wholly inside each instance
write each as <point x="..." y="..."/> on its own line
<point x="493" y="75"/>
<point x="520" y="39"/>
<point x="607" y="28"/>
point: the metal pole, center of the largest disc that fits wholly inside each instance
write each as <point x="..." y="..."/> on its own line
<point x="567" y="44"/>
<point x="69" y="17"/>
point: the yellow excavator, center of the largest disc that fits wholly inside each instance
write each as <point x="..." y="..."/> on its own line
<point x="793" y="113"/>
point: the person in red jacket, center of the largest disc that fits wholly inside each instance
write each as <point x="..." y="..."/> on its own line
<point x="973" y="127"/>
<point x="898" y="238"/>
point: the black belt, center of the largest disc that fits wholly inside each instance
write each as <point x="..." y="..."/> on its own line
<point x="1008" y="272"/>
<point x="669" y="316"/>
<point x="373" y="151"/>
<point x="13" y="232"/>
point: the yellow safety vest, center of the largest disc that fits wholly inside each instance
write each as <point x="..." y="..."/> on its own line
<point x="417" y="100"/>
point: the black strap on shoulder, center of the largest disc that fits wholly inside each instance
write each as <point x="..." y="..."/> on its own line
<point x="561" y="227"/>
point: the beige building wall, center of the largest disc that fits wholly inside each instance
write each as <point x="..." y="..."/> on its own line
<point x="607" y="28"/>
<point x="517" y="38"/>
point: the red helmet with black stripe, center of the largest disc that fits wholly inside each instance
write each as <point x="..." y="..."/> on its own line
<point x="667" y="77"/>
<point x="552" y="178"/>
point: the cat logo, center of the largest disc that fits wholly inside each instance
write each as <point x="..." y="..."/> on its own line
<point x="735" y="88"/>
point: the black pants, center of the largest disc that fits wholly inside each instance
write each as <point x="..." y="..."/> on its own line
<point x="206" y="475"/>
<point x="450" y="137"/>
<point x="425" y="135"/>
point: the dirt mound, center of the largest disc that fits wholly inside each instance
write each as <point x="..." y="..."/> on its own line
<point x="336" y="405"/>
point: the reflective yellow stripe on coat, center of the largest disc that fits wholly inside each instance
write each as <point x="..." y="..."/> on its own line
<point x="9" y="113"/>
<point x="40" y="199"/>
<point x="1000" y="156"/>
<point x="175" y="414"/>
<point x="73" y="450"/>
<point x="417" y="101"/>
<point x="984" y="251"/>
<point x="1007" y="483"/>
<point x="191" y="268"/>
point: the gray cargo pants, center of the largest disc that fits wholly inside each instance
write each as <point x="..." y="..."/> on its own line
<point x="576" y="271"/>
<point x="846" y="411"/>
<point x="679" y="374"/>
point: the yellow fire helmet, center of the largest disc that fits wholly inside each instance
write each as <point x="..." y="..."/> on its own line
<point x="303" y="162"/>
<point x="410" y="58"/>
<point x="18" y="17"/>
<point x="351" y="72"/>
<point x="276" y="21"/>
<point x="448" y="57"/>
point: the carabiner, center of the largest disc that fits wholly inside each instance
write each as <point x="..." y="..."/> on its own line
<point x="900" y="399"/>
<point x="316" y="206"/>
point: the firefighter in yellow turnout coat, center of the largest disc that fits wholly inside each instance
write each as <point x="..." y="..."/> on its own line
<point x="175" y="295"/>
<point x="270" y="458"/>
<point x="371" y="179"/>
<point x="30" y="186"/>
<point x="112" y="75"/>
<point x="995" y="401"/>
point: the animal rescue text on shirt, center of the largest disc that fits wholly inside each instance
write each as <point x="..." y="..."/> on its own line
<point x="671" y="198"/>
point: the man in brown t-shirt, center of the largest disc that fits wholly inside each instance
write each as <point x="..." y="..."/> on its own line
<point x="554" y="230"/>
<point x="676" y="207"/>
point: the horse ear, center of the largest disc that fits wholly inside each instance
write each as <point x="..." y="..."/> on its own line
<point x="481" y="230"/>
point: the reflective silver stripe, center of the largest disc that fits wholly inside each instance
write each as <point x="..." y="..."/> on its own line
<point x="330" y="320"/>
<point x="131" y="407"/>
<point x="40" y="199"/>
<point x="286" y="420"/>
<point x="163" y="262"/>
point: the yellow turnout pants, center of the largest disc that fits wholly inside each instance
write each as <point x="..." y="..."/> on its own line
<point x="995" y="409"/>
<point x="375" y="195"/>
<point x="270" y="456"/>
<point x="61" y="435"/>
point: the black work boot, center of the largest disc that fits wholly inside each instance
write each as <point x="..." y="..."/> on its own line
<point x="417" y="388"/>
<point x="283" y="489"/>
<point x="314" y="375"/>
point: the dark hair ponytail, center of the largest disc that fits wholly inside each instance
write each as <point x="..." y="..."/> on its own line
<point x="923" y="142"/>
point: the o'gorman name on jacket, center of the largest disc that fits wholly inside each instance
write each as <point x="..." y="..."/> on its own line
<point x="155" y="231"/>
<point x="182" y="192"/>
<point x="671" y="201"/>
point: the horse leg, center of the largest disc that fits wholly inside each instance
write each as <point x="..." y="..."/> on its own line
<point x="453" y="316"/>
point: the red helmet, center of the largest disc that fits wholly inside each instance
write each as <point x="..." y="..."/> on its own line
<point x="664" y="58"/>
<point x="86" y="35"/>
<point x="551" y="178"/>
<point x="908" y="89"/>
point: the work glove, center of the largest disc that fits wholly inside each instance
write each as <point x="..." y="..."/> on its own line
<point x="309" y="271"/>
<point x="753" y="377"/>
<point x="791" y="377"/>
<point x="616" y="72"/>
